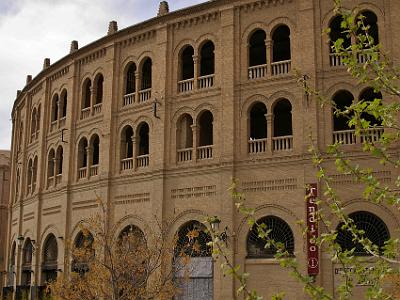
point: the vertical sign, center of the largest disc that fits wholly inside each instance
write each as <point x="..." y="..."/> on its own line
<point x="312" y="233"/>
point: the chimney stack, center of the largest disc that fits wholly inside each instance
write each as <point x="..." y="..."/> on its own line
<point x="74" y="47"/>
<point x="112" y="27"/>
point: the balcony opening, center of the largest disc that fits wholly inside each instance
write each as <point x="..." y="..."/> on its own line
<point x="281" y="44"/>
<point x="127" y="142"/>
<point x="370" y="21"/>
<point x="187" y="63"/>
<point x="82" y="153"/>
<point x="283" y="118"/>
<point x="30" y="176"/>
<point x="86" y="93"/>
<point x="130" y="83"/>
<point x="146" y="74"/>
<point x="143" y="139"/>
<point x="95" y="145"/>
<point x="258" y="121"/>
<point x="64" y="102"/>
<point x="185" y="132"/>
<point x="99" y="88"/>
<point x="54" y="108"/>
<point x="50" y="256"/>
<point x="257" y="49"/>
<point x="27" y="253"/>
<point x="342" y="100"/>
<point x="207" y="59"/>
<point x="206" y="128"/>
<point x="369" y="95"/>
<point x="59" y="160"/>
<point x="83" y="252"/>
<point x="34" y="175"/>
<point x="50" y="165"/>
<point x="336" y="32"/>
<point x="33" y="124"/>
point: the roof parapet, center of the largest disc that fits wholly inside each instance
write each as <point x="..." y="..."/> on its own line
<point x="163" y="9"/>
<point x="112" y="27"/>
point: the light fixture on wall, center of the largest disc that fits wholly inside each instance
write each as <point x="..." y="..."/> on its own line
<point x="20" y="240"/>
<point x="215" y="223"/>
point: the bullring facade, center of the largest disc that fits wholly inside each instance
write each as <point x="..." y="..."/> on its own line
<point x="157" y="118"/>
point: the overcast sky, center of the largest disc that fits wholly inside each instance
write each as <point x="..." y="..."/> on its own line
<point x="31" y="30"/>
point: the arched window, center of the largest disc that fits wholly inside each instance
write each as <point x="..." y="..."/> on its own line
<point x="341" y="100"/>
<point x="38" y="120"/>
<point x="146" y="74"/>
<point x="86" y="93"/>
<point x="33" y="124"/>
<point x="54" y="108"/>
<point x="30" y="176"/>
<point x="99" y="81"/>
<point x="130" y="83"/>
<point x="369" y="95"/>
<point x="26" y="267"/>
<point x="50" y="164"/>
<point x="132" y="238"/>
<point x="192" y="241"/>
<point x="59" y="160"/>
<point x="206" y="128"/>
<point x="143" y="143"/>
<point x="337" y="32"/>
<point x="280" y="232"/>
<point x="64" y="102"/>
<point x="82" y="153"/>
<point x="12" y="258"/>
<point x="281" y="44"/>
<point x="95" y="147"/>
<point x="187" y="63"/>
<point x="50" y="256"/>
<point x="258" y="121"/>
<point x="34" y="175"/>
<point x="127" y="142"/>
<point x="184" y="135"/>
<point x="20" y="136"/>
<point x="83" y="252"/>
<point x="17" y="183"/>
<point x="373" y="227"/>
<point x="283" y="118"/>
<point x="207" y="59"/>
<point x="370" y="21"/>
<point x="257" y="48"/>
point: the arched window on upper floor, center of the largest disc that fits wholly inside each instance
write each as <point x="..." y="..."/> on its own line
<point x="130" y="79"/>
<point x="29" y="176"/>
<point x="99" y="81"/>
<point x="83" y="252"/>
<point x="207" y="59"/>
<point x="26" y="268"/>
<point x="279" y="232"/>
<point x="59" y="163"/>
<point x="50" y="168"/>
<point x="370" y="27"/>
<point x="86" y="94"/>
<point x="143" y="144"/>
<point x="281" y="52"/>
<point x="63" y="105"/>
<point x="281" y="44"/>
<point x="184" y="138"/>
<point x="20" y="136"/>
<point x="54" y="108"/>
<point x="283" y="131"/>
<point x="337" y="32"/>
<point x="17" y="185"/>
<point x="206" y="135"/>
<point x="34" y="175"/>
<point x="33" y="124"/>
<point x="257" y="126"/>
<point x="369" y="95"/>
<point x="82" y="158"/>
<point x="341" y="101"/>
<point x="127" y="143"/>
<point x="50" y="257"/>
<point x="373" y="228"/>
<point x="95" y="155"/>
<point x="187" y="63"/>
<point x="147" y="74"/>
<point x="257" y="54"/>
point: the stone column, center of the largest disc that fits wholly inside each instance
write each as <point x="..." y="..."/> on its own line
<point x="134" y="152"/>
<point x="92" y="98"/>
<point x="88" y="162"/>
<point x="195" y="130"/>
<point x="269" y="53"/>
<point x="137" y="86"/>
<point x="196" y="70"/>
<point x="270" y="130"/>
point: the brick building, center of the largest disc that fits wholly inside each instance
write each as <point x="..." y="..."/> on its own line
<point x="4" y="198"/>
<point x="158" y="117"/>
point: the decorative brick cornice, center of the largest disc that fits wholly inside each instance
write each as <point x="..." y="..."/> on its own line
<point x="36" y="89"/>
<point x="92" y="56"/>
<point x="193" y="21"/>
<point x="137" y="38"/>
<point x="59" y="74"/>
<point x="262" y="4"/>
